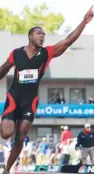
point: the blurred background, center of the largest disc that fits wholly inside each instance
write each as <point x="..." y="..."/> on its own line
<point x="66" y="92"/>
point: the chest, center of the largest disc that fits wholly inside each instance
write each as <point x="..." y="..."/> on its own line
<point x="23" y="62"/>
<point x="27" y="70"/>
<point x="87" y="137"/>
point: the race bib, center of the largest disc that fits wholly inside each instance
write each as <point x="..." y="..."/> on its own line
<point x="28" y="76"/>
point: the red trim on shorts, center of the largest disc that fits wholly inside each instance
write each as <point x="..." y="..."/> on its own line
<point x="34" y="103"/>
<point x="40" y="69"/>
<point x="50" y="50"/>
<point x="12" y="105"/>
<point x="11" y="57"/>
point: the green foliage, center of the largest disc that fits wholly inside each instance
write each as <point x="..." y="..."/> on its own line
<point x="27" y="19"/>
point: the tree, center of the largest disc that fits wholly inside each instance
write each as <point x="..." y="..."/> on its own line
<point x="27" y="19"/>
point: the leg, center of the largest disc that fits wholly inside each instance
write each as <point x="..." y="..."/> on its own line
<point x="21" y="163"/>
<point x="25" y="158"/>
<point x="7" y="126"/>
<point x="84" y="155"/>
<point x="22" y="130"/>
<point x="23" y="127"/>
<point x="91" y="154"/>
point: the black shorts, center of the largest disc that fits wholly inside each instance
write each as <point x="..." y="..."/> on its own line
<point x="17" y="108"/>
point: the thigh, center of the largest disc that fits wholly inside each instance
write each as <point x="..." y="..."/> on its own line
<point x="29" y="109"/>
<point x="23" y="126"/>
<point x="9" y="108"/>
<point x="8" y="117"/>
<point x="7" y="128"/>
<point x="91" y="153"/>
<point x="84" y="153"/>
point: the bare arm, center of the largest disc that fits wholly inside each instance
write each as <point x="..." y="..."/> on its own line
<point x="60" y="47"/>
<point x="4" y="69"/>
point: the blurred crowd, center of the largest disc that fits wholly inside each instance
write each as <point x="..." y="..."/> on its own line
<point x="67" y="150"/>
<point x="57" y="97"/>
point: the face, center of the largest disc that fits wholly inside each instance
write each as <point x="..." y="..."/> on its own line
<point x="88" y="129"/>
<point x="37" y="37"/>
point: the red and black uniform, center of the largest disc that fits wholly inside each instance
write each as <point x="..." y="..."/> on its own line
<point x="22" y="98"/>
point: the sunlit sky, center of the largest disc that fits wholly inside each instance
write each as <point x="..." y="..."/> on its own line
<point x="72" y="10"/>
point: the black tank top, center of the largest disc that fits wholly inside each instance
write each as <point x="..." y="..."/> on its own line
<point x="28" y="72"/>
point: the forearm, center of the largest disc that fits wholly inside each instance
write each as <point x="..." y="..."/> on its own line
<point x="72" y="37"/>
<point x="60" y="47"/>
<point x="75" y="34"/>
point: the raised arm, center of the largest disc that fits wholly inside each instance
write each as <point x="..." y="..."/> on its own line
<point x="4" y="69"/>
<point x="60" y="47"/>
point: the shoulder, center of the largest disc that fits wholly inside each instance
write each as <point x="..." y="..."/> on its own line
<point x="18" y="50"/>
<point x="80" y="134"/>
<point x="49" y="50"/>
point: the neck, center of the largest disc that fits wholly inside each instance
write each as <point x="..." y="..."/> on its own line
<point x="88" y="131"/>
<point x="32" y="48"/>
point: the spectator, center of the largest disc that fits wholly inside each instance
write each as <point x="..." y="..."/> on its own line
<point x="7" y="148"/>
<point x="66" y="134"/>
<point x="66" y="137"/>
<point x="33" y="149"/>
<point x="42" y="149"/>
<point x="26" y="141"/>
<point x="91" y="100"/>
<point x="1" y="155"/>
<point x="52" y="159"/>
<point x="58" y="153"/>
<point x="25" y="154"/>
<point x="60" y="99"/>
<point x="85" y="140"/>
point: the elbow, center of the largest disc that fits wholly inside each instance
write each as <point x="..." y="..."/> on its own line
<point x="61" y="51"/>
<point x="1" y="73"/>
<point x="1" y="77"/>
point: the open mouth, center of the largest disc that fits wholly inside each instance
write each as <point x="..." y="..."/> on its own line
<point x="41" y="41"/>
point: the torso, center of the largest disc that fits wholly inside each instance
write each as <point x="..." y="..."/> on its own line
<point x="28" y="71"/>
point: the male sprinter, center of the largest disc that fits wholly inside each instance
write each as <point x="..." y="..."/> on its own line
<point x="30" y="65"/>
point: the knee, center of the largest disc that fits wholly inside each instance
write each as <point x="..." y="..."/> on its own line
<point x="92" y="161"/>
<point x="84" y="160"/>
<point x="5" y="135"/>
<point x="7" y="128"/>
<point x="20" y="138"/>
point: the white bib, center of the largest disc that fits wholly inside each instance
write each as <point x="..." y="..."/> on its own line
<point x="28" y="76"/>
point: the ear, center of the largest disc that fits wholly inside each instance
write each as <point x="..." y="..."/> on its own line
<point x="30" y="37"/>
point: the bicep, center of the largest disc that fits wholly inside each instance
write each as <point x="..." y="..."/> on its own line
<point x="9" y="62"/>
<point x="5" y="67"/>
<point x="60" y="48"/>
<point x="49" y="56"/>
